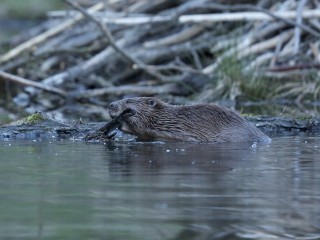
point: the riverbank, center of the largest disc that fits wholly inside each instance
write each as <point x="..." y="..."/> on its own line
<point x="42" y="126"/>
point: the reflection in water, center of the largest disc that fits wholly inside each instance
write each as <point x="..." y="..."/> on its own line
<point x="66" y="190"/>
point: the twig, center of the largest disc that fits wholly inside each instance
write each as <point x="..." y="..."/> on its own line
<point x="42" y="37"/>
<point x="23" y="81"/>
<point x="294" y="67"/>
<point x="184" y="35"/>
<point x="172" y="66"/>
<point x="261" y="46"/>
<point x="126" y="89"/>
<point x="315" y="51"/>
<point x="129" y="21"/>
<point x="315" y="23"/>
<point x="105" y="132"/>
<point x="196" y="58"/>
<point x="297" y="30"/>
<point x="276" y="52"/>
<point x="247" y="16"/>
<point x="269" y="28"/>
<point x="258" y="61"/>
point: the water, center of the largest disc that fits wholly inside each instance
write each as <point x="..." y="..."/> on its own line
<point x="76" y="190"/>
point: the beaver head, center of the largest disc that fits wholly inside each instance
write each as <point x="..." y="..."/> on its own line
<point x="146" y="115"/>
<point x="153" y="119"/>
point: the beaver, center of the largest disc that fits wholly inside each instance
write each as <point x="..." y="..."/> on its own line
<point x="153" y="119"/>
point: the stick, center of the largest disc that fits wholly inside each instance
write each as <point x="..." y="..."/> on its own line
<point x="129" y="21"/>
<point x="315" y="51"/>
<point x="258" y="61"/>
<point x="245" y="16"/>
<point x="297" y="30"/>
<point x="315" y="23"/>
<point x="294" y="67"/>
<point x="127" y="89"/>
<point x="23" y="81"/>
<point x="42" y="37"/>
<point x="105" y="131"/>
<point x="175" y="38"/>
<point x="267" y="44"/>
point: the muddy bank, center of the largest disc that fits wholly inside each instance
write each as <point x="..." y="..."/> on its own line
<point x="42" y="126"/>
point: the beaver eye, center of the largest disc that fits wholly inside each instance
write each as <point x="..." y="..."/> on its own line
<point x="151" y="102"/>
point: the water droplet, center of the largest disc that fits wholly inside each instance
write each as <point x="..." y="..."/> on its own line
<point x="254" y="145"/>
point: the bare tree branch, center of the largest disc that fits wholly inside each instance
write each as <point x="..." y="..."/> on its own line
<point x="297" y="30"/>
<point x="26" y="82"/>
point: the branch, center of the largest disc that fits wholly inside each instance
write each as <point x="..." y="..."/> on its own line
<point x="182" y="36"/>
<point x="297" y="30"/>
<point x="126" y="89"/>
<point x="263" y="14"/>
<point x="248" y="16"/>
<point x="23" y="81"/>
<point x="294" y="67"/>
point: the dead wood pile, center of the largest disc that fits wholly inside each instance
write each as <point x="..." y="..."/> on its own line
<point x="111" y="49"/>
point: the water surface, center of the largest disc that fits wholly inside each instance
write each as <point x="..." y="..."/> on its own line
<point x="119" y="190"/>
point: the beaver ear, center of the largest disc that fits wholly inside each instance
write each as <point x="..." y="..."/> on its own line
<point x="152" y="102"/>
<point x="129" y="100"/>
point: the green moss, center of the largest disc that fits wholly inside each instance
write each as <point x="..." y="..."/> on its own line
<point x="304" y="117"/>
<point x="248" y="115"/>
<point x="34" y="118"/>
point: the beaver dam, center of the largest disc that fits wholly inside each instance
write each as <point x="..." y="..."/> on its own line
<point x="79" y="60"/>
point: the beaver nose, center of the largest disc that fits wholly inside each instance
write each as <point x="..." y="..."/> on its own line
<point x="113" y="109"/>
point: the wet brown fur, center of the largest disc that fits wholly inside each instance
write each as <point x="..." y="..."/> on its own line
<point x="156" y="120"/>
